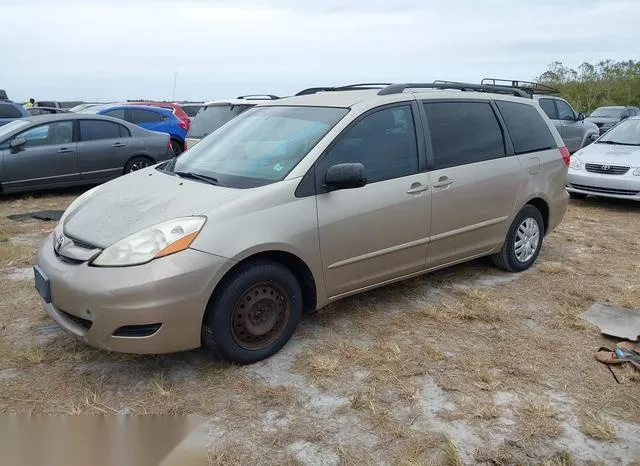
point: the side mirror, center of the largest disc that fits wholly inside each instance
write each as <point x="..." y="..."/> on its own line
<point x="17" y="144"/>
<point x="345" y="176"/>
<point x="580" y="116"/>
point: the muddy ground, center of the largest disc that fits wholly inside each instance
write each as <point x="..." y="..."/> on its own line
<point x="469" y="365"/>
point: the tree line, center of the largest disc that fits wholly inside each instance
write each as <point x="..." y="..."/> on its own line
<point x="607" y="82"/>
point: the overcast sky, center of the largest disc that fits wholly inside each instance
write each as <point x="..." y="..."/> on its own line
<point x="118" y="49"/>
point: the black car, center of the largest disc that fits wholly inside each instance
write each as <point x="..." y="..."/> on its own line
<point x="607" y="117"/>
<point x="45" y="110"/>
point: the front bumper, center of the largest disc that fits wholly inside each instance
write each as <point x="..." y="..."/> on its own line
<point x="93" y="303"/>
<point x="625" y="186"/>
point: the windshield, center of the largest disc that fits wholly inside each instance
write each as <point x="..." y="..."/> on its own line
<point x="212" y="117"/>
<point x="607" y="112"/>
<point x="12" y="126"/>
<point x="627" y="132"/>
<point x="260" y="146"/>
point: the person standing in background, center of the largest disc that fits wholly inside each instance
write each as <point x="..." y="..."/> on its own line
<point x="31" y="103"/>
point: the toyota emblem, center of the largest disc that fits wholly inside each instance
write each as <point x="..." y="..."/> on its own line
<point x="59" y="243"/>
<point x="605" y="167"/>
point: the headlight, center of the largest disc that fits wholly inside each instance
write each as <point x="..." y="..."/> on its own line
<point x="636" y="172"/>
<point x="158" y="241"/>
<point x="576" y="163"/>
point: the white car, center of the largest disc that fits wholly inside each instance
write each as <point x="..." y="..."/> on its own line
<point x="610" y="167"/>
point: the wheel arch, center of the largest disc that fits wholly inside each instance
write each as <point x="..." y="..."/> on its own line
<point x="543" y="206"/>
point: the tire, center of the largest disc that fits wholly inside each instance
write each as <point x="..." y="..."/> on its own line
<point x="577" y="195"/>
<point x="176" y="147"/>
<point x="253" y="313"/>
<point x="137" y="163"/>
<point x="507" y="259"/>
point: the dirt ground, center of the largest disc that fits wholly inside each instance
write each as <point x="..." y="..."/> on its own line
<point x="469" y="365"/>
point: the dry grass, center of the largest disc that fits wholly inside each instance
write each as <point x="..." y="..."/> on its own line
<point x="595" y="426"/>
<point x="469" y="304"/>
<point x="21" y="356"/>
<point x="563" y="458"/>
<point x="16" y="254"/>
<point x="228" y="455"/>
<point x="553" y="268"/>
<point x="537" y="420"/>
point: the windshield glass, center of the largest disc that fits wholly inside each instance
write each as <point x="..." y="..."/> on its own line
<point x="12" y="126"/>
<point x="627" y="132"/>
<point x="607" y="112"/>
<point x="260" y="146"/>
<point x="212" y="117"/>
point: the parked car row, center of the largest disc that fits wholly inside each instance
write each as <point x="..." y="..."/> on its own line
<point x="298" y="202"/>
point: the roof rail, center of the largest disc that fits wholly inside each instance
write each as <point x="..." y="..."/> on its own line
<point x="348" y="87"/>
<point x="527" y="86"/>
<point x="258" y="96"/>
<point x="399" y="88"/>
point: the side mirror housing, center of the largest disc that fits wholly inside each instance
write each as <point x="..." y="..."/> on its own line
<point x="345" y="176"/>
<point x="580" y="116"/>
<point x="17" y="144"/>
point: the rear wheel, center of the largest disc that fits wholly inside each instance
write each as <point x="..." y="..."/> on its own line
<point x="254" y="312"/>
<point x="176" y="147"/>
<point x="137" y="163"/>
<point x="577" y="195"/>
<point x="523" y="242"/>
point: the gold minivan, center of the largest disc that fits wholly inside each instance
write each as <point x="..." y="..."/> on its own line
<point x="300" y="202"/>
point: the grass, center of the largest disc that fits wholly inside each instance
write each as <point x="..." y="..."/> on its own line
<point x="537" y="420"/>
<point x="16" y="254"/>
<point x="597" y="427"/>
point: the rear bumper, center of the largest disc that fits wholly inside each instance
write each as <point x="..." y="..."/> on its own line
<point x="93" y="303"/>
<point x="625" y="186"/>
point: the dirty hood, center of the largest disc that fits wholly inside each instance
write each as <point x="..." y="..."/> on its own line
<point x="610" y="154"/>
<point x="140" y="200"/>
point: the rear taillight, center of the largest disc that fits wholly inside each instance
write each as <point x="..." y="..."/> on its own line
<point x="184" y="125"/>
<point x="566" y="156"/>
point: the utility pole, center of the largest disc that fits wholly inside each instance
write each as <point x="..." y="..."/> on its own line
<point x="173" y="94"/>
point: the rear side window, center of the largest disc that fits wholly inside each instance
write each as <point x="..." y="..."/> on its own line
<point x="212" y="117"/>
<point x="191" y="110"/>
<point x="93" y="130"/>
<point x="117" y="113"/>
<point x="463" y="133"/>
<point x="139" y="116"/>
<point x="528" y="130"/>
<point x="549" y="108"/>
<point x="9" y="111"/>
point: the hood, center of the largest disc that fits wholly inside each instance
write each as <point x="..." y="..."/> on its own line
<point x="140" y="200"/>
<point x="610" y="154"/>
<point x="602" y="120"/>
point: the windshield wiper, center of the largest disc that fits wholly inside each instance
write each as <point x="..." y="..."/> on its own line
<point x="198" y="176"/>
<point x="618" y="143"/>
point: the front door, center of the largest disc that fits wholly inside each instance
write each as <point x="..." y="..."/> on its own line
<point x="378" y="232"/>
<point x="48" y="159"/>
<point x="474" y="184"/>
<point x="570" y="128"/>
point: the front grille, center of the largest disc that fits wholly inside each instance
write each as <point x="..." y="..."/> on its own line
<point x="84" y="323"/>
<point x="137" y="330"/>
<point x="607" y="169"/>
<point x="593" y="189"/>
<point x="81" y="244"/>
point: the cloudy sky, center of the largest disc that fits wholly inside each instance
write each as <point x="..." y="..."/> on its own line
<point x="118" y="49"/>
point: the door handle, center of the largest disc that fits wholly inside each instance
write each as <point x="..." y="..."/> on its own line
<point x="443" y="181"/>
<point x="118" y="144"/>
<point x="64" y="150"/>
<point x="417" y="188"/>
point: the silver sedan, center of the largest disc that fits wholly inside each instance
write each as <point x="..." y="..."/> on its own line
<point x="610" y="167"/>
<point x="70" y="149"/>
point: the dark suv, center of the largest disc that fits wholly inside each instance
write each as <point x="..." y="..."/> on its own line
<point x="606" y="118"/>
<point x="10" y="111"/>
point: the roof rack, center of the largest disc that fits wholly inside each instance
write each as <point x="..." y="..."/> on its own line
<point x="348" y="87"/>
<point x="399" y="88"/>
<point x="258" y="96"/>
<point x="528" y="86"/>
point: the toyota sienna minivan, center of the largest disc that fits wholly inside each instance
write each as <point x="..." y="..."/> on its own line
<point x="298" y="203"/>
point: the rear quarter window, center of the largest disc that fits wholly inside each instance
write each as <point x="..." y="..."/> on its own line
<point x="9" y="111"/>
<point x="527" y="129"/>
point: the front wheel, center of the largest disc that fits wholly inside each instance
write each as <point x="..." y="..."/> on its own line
<point x="253" y="313"/>
<point x="137" y="163"/>
<point x="176" y="147"/>
<point x="523" y="242"/>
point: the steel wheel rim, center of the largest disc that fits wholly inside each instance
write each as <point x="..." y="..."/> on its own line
<point x="139" y="165"/>
<point x="260" y="316"/>
<point x="527" y="239"/>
